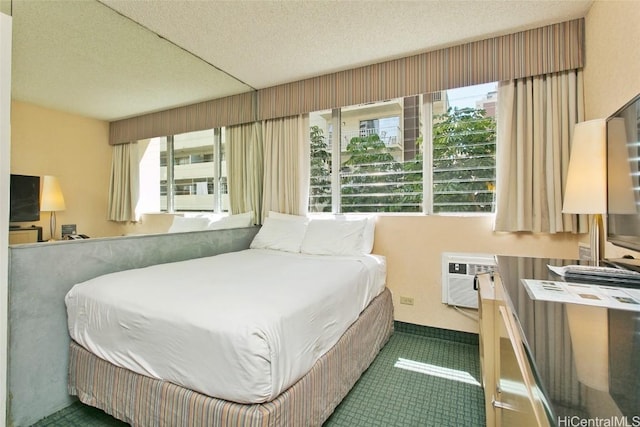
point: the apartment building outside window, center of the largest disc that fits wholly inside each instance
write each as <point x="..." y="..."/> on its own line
<point x="433" y="154"/>
<point x="189" y="171"/>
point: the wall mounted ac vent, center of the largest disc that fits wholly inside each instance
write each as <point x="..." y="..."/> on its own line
<point x="458" y="271"/>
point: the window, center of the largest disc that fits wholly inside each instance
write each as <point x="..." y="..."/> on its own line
<point x="189" y="171"/>
<point x="464" y="148"/>
<point x="380" y="151"/>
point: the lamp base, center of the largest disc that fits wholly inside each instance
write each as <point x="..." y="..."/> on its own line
<point x="596" y="239"/>
<point x="52" y="226"/>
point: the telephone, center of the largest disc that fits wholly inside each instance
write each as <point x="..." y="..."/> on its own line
<point x="76" y="236"/>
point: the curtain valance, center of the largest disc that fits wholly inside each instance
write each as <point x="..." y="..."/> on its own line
<point x="228" y="111"/>
<point x="544" y="50"/>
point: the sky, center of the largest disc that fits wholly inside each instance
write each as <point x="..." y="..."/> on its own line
<point x="466" y="96"/>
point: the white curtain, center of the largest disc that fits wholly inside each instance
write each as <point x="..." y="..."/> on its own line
<point x="245" y="169"/>
<point x="535" y="124"/>
<point x="124" y="184"/>
<point x="286" y="165"/>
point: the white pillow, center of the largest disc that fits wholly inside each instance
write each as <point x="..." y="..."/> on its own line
<point x="280" y="234"/>
<point x="334" y="237"/>
<point x="232" y="221"/>
<point x="368" y="235"/>
<point x="208" y="215"/>
<point x="181" y="224"/>
<point x="289" y="217"/>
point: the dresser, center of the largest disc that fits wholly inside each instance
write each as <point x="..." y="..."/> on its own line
<point x="554" y="363"/>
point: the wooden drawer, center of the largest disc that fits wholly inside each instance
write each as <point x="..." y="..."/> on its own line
<point x="512" y="396"/>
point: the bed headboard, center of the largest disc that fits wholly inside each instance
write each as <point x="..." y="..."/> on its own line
<point x="41" y="274"/>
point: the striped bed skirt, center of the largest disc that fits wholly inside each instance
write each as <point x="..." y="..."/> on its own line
<point x="143" y="401"/>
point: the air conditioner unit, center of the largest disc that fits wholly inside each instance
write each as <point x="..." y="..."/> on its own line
<point x="458" y="271"/>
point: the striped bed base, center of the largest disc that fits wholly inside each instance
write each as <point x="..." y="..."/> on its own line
<point x="144" y="401"/>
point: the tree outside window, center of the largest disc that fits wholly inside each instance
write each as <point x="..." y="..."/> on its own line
<point x="376" y="177"/>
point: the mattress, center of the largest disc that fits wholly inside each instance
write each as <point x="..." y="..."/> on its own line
<point x="142" y="401"/>
<point x="241" y="326"/>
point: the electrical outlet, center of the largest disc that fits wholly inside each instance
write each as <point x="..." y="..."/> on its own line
<point x="406" y="300"/>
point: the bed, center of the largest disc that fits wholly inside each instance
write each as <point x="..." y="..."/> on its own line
<point x="264" y="336"/>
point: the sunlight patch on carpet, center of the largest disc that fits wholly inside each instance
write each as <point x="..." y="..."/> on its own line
<point x="436" y="371"/>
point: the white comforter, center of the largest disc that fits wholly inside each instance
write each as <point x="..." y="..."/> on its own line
<point x="242" y="326"/>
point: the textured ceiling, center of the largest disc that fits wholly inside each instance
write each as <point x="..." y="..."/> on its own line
<point x="82" y="57"/>
<point x="93" y="58"/>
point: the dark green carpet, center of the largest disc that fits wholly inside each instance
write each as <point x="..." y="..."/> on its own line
<point x="441" y="386"/>
<point x="436" y="392"/>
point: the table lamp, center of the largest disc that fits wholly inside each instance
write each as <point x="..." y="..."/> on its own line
<point x="52" y="200"/>
<point x="585" y="192"/>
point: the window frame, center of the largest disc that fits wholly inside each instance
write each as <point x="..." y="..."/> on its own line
<point x="217" y="207"/>
<point x="426" y="102"/>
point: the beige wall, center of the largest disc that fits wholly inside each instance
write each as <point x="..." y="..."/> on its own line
<point x="612" y="68"/>
<point x="76" y="150"/>
<point x="413" y="246"/>
<point x="612" y="62"/>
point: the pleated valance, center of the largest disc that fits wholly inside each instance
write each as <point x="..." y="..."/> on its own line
<point x="554" y="48"/>
<point x="228" y="111"/>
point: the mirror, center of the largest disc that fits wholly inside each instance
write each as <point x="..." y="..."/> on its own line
<point x="84" y="58"/>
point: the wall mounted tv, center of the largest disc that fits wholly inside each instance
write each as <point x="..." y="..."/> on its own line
<point x="24" y="195"/>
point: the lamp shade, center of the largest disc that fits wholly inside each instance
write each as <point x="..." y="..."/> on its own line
<point x="585" y="192"/>
<point x="52" y="198"/>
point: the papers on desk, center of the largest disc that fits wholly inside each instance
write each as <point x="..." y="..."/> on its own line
<point x="582" y="293"/>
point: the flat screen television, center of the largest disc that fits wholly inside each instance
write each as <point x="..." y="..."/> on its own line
<point x="623" y="176"/>
<point x="24" y="196"/>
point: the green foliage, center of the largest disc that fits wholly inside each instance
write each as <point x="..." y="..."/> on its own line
<point x="368" y="152"/>
<point x="372" y="180"/>
<point x="464" y="161"/>
<point x="320" y="188"/>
